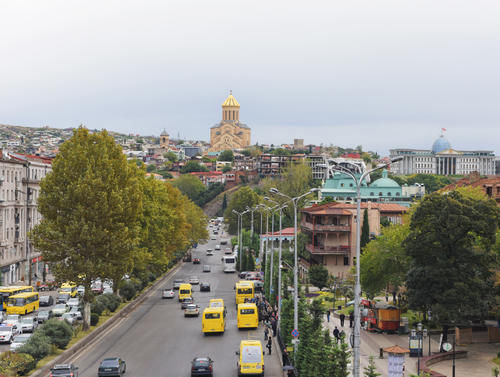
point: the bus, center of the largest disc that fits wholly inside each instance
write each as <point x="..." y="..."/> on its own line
<point x="248" y="316"/>
<point x="229" y="263"/>
<point x="244" y="290"/>
<point x="68" y="288"/>
<point x="23" y="303"/>
<point x="6" y="292"/>
<point x="213" y="320"/>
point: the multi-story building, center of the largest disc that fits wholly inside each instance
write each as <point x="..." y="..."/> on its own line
<point x="331" y="229"/>
<point x="442" y="160"/>
<point x="20" y="177"/>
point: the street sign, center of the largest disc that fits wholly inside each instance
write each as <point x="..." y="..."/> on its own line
<point x="295" y="341"/>
<point x="295" y="333"/>
<point x="447" y="347"/>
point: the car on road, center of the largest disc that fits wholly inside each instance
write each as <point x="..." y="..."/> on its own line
<point x="194" y="280"/>
<point x="192" y="310"/>
<point x="243" y="274"/>
<point x="7" y="333"/>
<point x="178" y="282"/>
<point x="12" y="319"/>
<point x="107" y="290"/>
<point x="29" y="324"/>
<point x="69" y="317"/>
<point x="168" y="293"/>
<point x="62" y="298"/>
<point x="64" y="370"/>
<point x="206" y="268"/>
<point x="46" y="300"/>
<point x="60" y="309"/>
<point x="44" y="315"/>
<point x="112" y="366"/>
<point x="73" y="302"/>
<point x="223" y="242"/>
<point x="217" y="247"/>
<point x="213" y="238"/>
<point x="76" y="313"/>
<point x="228" y="250"/>
<point x="202" y="366"/>
<point x="204" y="287"/>
<point x="210" y="252"/>
<point x="80" y="290"/>
<point x="18" y="341"/>
<point x="186" y="301"/>
<point x="196" y="261"/>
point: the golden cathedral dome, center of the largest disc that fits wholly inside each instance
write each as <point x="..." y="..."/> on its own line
<point x="230" y="101"/>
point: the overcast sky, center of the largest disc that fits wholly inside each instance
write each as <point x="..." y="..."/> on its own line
<point x="380" y="73"/>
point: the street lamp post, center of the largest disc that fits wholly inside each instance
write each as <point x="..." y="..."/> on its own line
<point x="295" y="267"/>
<point x="277" y="205"/>
<point x="240" y="235"/>
<point x="357" y="289"/>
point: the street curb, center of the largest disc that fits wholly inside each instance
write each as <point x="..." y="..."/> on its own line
<point x="86" y="341"/>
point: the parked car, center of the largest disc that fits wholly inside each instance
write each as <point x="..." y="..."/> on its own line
<point x="46" y="300"/>
<point x="68" y="317"/>
<point x="196" y="261"/>
<point x="12" y="319"/>
<point x="186" y="301"/>
<point x="80" y="290"/>
<point x="73" y="302"/>
<point x="112" y="366"/>
<point x="204" y="287"/>
<point x="76" y="313"/>
<point x="29" y="324"/>
<point x="243" y="274"/>
<point x="178" y="282"/>
<point x="18" y="341"/>
<point x="168" y="293"/>
<point x="202" y="366"/>
<point x="7" y="333"/>
<point x="44" y="315"/>
<point x="62" y="298"/>
<point x="60" y="309"/>
<point x="194" y="280"/>
<point x="64" y="370"/>
<point x="192" y="310"/>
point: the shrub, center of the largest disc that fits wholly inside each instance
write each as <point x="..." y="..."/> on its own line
<point x="97" y="307"/>
<point x="113" y="301"/>
<point x="13" y="363"/>
<point x="59" y="332"/>
<point x="128" y="290"/>
<point x="38" y="346"/>
<point x="94" y="318"/>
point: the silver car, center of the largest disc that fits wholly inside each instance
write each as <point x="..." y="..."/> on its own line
<point x="60" y="309"/>
<point x="168" y="293"/>
<point x="194" y="280"/>
<point x="29" y="324"/>
<point x="7" y="333"/>
<point x="19" y="340"/>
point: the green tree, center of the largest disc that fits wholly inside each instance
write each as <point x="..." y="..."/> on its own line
<point x="318" y="276"/>
<point x="242" y="198"/>
<point x="190" y="186"/>
<point x="151" y="168"/>
<point x="227" y="168"/>
<point x="90" y="205"/>
<point x="365" y="230"/>
<point x="224" y="203"/>
<point x="193" y="166"/>
<point x="450" y="245"/>
<point x="170" y="156"/>
<point x="370" y="370"/>
<point x="226" y="155"/>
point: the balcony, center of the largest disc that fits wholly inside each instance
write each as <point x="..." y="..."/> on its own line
<point x="325" y="228"/>
<point x="329" y="250"/>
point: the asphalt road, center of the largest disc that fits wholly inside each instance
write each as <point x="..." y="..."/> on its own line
<point x="157" y="340"/>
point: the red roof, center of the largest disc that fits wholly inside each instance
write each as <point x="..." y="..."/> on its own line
<point x="383" y="207"/>
<point x="45" y="160"/>
<point x="207" y="173"/>
<point x="284" y="232"/>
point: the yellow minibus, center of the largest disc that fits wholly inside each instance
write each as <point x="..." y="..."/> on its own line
<point x="213" y="320"/>
<point x="23" y="303"/>
<point x="251" y="360"/>
<point x="184" y="291"/>
<point x="244" y="290"/>
<point x="6" y="292"/>
<point x="248" y="316"/>
<point x="69" y="288"/>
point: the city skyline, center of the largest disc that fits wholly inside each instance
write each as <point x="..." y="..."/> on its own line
<point x="385" y="75"/>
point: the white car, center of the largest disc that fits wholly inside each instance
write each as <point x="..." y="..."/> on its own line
<point x="168" y="293"/>
<point x="60" y="309"/>
<point x="213" y="238"/>
<point x="19" y="340"/>
<point x="210" y="252"/>
<point x="217" y="247"/>
<point x="80" y="290"/>
<point x="194" y="280"/>
<point x="70" y="317"/>
<point x="7" y="333"/>
<point x="73" y="302"/>
<point x="192" y="310"/>
<point x="76" y="313"/>
<point x="12" y="319"/>
<point x="29" y="324"/>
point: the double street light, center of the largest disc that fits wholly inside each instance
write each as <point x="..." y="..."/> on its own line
<point x="240" y="235"/>
<point x="295" y="267"/>
<point x="357" y="290"/>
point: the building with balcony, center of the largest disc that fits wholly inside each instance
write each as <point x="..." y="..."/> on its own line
<point x="331" y="230"/>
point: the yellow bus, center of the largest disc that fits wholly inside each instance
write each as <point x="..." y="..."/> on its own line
<point x="244" y="290"/>
<point x="184" y="291"/>
<point x="248" y="316"/>
<point x="23" y="303"/>
<point x="6" y="292"/>
<point x="251" y="360"/>
<point x="69" y="288"/>
<point x="213" y="320"/>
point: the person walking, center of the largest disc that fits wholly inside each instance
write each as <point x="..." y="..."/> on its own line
<point x="266" y="333"/>
<point x="342" y="336"/>
<point x="351" y="319"/>
<point x="342" y="319"/>
<point x="328" y="315"/>
<point x="336" y="334"/>
<point x="269" y="344"/>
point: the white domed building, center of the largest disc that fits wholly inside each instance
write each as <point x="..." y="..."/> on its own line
<point x="442" y="159"/>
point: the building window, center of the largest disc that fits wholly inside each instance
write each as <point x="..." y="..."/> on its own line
<point x="341" y="185"/>
<point x="397" y="194"/>
<point x="372" y="193"/>
<point x="346" y="260"/>
<point x="388" y="194"/>
<point x="380" y="193"/>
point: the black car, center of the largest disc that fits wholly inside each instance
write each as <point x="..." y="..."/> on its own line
<point x="64" y="370"/>
<point x="202" y="366"/>
<point x="62" y="298"/>
<point x="186" y="301"/>
<point x="112" y="366"/>
<point x="46" y="300"/>
<point x="44" y="315"/>
<point x="204" y="287"/>
<point x="177" y="283"/>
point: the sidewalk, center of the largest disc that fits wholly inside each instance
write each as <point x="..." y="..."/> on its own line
<point x="476" y="364"/>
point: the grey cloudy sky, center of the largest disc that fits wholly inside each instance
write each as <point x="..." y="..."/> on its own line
<point x="380" y="73"/>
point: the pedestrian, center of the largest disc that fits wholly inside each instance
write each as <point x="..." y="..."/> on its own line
<point x="342" y="319"/>
<point x="328" y="315"/>
<point x="284" y="355"/>
<point x="274" y="325"/>
<point x="342" y="336"/>
<point x="336" y="333"/>
<point x="266" y="333"/>
<point x="386" y="297"/>
<point x="351" y="319"/>
<point x="269" y="344"/>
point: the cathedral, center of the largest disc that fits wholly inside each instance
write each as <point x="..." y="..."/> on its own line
<point x="229" y="133"/>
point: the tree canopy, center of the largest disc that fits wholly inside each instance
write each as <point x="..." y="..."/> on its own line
<point x="242" y="198"/>
<point x="189" y="185"/>
<point x="226" y="155"/>
<point x="193" y="166"/>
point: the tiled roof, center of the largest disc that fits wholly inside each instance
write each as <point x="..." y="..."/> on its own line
<point x="383" y="207"/>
